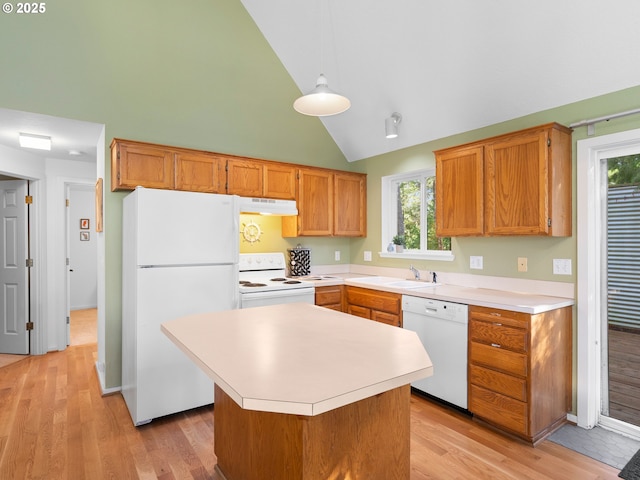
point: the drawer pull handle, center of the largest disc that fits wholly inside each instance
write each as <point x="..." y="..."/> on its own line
<point x="496" y="314"/>
<point x="496" y="345"/>
<point x="497" y="324"/>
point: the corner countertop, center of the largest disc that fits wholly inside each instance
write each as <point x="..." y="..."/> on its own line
<point x="299" y="358"/>
<point x="481" y="297"/>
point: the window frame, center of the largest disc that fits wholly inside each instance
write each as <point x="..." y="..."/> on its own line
<point x="388" y="211"/>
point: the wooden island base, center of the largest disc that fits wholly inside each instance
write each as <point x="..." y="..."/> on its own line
<point x="367" y="439"/>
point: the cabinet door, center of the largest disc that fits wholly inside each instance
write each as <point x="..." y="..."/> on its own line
<point x="199" y="172"/>
<point x="279" y="181"/>
<point x="315" y="202"/>
<point x="244" y="177"/>
<point x="460" y="192"/>
<point x="516" y="185"/>
<point x="135" y="165"/>
<point x="350" y="206"/>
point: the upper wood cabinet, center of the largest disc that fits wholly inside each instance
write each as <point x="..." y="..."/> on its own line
<point x="350" y="205"/>
<point x="199" y="172"/>
<point x="515" y="184"/>
<point x="154" y="166"/>
<point x="330" y="203"/>
<point x="255" y="178"/>
<point x="244" y="177"/>
<point x="460" y="192"/>
<point x="138" y="164"/>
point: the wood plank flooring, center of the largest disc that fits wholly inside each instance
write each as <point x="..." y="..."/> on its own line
<point x="54" y="424"/>
<point x="624" y="376"/>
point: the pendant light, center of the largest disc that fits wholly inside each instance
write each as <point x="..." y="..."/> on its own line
<point x="321" y="101"/>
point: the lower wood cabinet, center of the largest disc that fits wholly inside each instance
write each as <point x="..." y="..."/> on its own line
<point x="520" y="370"/>
<point x="385" y="307"/>
<point x="331" y="296"/>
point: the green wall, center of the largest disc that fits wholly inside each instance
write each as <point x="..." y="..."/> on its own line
<point x="199" y="74"/>
<point x="500" y="254"/>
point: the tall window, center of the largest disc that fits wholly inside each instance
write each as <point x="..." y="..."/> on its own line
<point x="408" y="212"/>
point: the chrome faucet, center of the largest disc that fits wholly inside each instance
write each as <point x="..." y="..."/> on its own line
<point x="416" y="272"/>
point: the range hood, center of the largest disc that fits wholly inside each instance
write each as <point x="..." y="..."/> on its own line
<point x="268" y="206"/>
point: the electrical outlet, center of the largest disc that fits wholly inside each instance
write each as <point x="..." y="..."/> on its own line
<point x="562" y="266"/>
<point x="522" y="264"/>
<point x="337" y="255"/>
<point x="367" y="256"/>
<point x="475" y="262"/>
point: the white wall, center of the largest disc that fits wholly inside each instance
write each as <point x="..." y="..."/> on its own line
<point x="83" y="261"/>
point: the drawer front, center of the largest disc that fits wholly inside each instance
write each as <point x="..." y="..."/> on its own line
<point x="515" y="339"/>
<point x="328" y="296"/>
<point x="506" y="317"/>
<point x="359" y="311"/>
<point x="514" y="387"/>
<point x="499" y="409"/>
<point x="388" y="318"/>
<point x="499" y="359"/>
<point x="375" y="299"/>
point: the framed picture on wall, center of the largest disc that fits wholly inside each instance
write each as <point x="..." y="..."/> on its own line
<point x="84" y="224"/>
<point x="84" y="236"/>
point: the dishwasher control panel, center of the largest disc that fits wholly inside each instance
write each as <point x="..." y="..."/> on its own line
<point x="456" y="312"/>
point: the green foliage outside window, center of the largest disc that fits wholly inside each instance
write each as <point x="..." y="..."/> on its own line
<point x="411" y="216"/>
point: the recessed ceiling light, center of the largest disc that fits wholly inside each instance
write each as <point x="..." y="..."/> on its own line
<point x="29" y="140"/>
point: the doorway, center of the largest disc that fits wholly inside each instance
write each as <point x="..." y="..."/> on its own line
<point x="82" y="263"/>
<point x="608" y="285"/>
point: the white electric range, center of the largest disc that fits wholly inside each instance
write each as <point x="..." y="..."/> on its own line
<point x="263" y="281"/>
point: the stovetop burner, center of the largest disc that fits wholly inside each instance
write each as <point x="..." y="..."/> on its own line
<point x="278" y="279"/>
<point x="246" y="283"/>
<point x="292" y="282"/>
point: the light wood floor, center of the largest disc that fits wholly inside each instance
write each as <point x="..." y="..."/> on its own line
<point x="54" y="424"/>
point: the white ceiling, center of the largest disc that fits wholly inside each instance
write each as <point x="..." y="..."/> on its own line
<point x="450" y="66"/>
<point x="447" y="67"/>
<point x="66" y="134"/>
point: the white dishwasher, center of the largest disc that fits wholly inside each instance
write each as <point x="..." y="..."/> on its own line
<point x="442" y="328"/>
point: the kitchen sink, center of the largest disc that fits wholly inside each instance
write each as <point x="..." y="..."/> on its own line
<point x="410" y="284"/>
<point x="393" y="282"/>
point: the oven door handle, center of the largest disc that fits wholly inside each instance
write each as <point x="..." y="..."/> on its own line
<point x="291" y="292"/>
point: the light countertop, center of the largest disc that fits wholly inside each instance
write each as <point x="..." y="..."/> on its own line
<point x="481" y="297"/>
<point x="299" y="358"/>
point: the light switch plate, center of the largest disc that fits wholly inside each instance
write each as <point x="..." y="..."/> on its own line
<point x="475" y="262"/>
<point x="337" y="255"/>
<point x="367" y="256"/>
<point x="562" y="266"/>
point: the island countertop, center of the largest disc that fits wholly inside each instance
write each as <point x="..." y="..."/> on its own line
<point x="299" y="358"/>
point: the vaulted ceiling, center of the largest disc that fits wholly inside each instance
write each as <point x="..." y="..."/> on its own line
<point x="450" y="66"/>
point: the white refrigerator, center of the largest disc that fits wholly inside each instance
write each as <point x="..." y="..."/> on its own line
<point x="179" y="257"/>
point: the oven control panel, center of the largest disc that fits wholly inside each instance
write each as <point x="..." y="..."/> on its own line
<point x="261" y="261"/>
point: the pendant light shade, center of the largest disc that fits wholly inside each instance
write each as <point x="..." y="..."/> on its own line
<point x="321" y="101"/>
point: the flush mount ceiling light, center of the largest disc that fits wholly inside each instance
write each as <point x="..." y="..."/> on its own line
<point x="40" y="142"/>
<point x="321" y="101"/>
<point x="391" y="125"/>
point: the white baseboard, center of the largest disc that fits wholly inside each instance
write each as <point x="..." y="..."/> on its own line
<point x="104" y="391"/>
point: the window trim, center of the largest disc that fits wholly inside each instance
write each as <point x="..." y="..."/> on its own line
<point x="386" y="215"/>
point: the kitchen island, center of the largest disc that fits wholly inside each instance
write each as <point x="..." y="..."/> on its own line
<point x="302" y="392"/>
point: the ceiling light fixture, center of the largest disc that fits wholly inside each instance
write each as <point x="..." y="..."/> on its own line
<point x="40" y="142"/>
<point x="321" y="101"/>
<point x="391" y="125"/>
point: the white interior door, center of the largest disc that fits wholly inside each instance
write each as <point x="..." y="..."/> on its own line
<point x="14" y="337"/>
